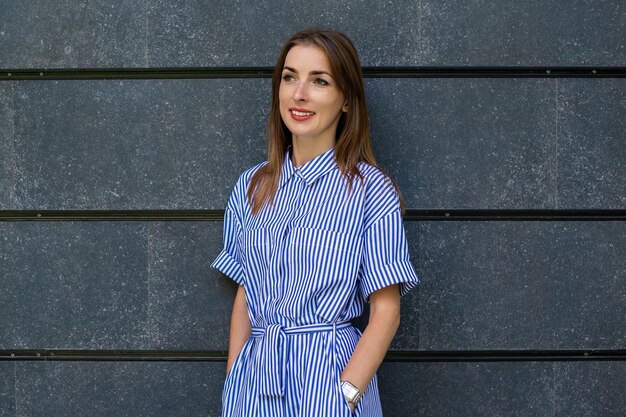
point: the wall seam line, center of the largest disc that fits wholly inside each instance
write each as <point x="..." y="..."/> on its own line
<point x="554" y="365"/>
<point x="150" y="333"/>
<point x="420" y="28"/>
<point x="556" y="145"/>
<point x="146" y="54"/>
<point x="15" y="389"/>
<point x="10" y="157"/>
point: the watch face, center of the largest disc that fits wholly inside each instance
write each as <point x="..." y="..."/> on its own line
<point x="349" y="390"/>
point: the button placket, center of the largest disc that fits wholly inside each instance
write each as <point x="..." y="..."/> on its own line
<point x="281" y="243"/>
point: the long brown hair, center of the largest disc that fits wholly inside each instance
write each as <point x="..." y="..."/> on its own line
<point x="353" y="143"/>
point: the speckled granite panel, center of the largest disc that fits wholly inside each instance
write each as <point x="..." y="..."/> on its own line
<point x="592" y="143"/>
<point x="7" y="154"/>
<point x="136" y="144"/>
<point x="251" y="33"/>
<point x="73" y="34"/>
<point x="7" y="389"/>
<point x="466" y="388"/>
<point x="510" y="32"/>
<point x="190" y="302"/>
<point x="590" y="389"/>
<point x="161" y="33"/>
<point x="516" y="389"/>
<point x="119" y="389"/>
<point x="467" y="143"/>
<point x="516" y="285"/>
<point x="74" y="285"/>
<point x="113" y="285"/>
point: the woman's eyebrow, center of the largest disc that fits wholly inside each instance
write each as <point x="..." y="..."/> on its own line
<point x="315" y="72"/>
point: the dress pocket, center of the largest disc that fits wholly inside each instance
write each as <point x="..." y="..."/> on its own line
<point x="347" y="406"/>
<point x="231" y="388"/>
<point x="344" y="402"/>
<point x="257" y="245"/>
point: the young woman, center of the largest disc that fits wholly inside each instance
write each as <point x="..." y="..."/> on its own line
<point x="311" y="235"/>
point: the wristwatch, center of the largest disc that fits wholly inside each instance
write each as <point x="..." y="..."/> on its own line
<point x="351" y="393"/>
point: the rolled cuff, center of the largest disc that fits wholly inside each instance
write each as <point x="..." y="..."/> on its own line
<point x="401" y="272"/>
<point x="227" y="265"/>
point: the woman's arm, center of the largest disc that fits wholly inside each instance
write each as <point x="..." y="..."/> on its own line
<point x="240" y="327"/>
<point x="372" y="347"/>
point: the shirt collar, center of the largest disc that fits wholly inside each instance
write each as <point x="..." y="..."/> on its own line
<point x="309" y="171"/>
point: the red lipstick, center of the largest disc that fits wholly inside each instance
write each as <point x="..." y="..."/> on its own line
<point x="302" y="114"/>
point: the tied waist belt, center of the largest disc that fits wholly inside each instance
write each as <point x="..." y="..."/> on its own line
<point x="272" y="357"/>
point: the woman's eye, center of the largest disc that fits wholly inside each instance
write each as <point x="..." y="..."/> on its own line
<point x="287" y="77"/>
<point x="321" y="81"/>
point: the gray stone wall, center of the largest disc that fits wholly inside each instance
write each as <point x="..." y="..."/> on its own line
<point x="510" y="151"/>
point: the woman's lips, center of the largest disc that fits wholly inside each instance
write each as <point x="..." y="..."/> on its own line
<point x="301" y="114"/>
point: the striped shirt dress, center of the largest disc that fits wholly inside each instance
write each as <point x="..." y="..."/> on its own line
<point x="308" y="264"/>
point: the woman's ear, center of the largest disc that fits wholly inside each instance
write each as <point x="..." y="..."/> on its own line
<point x="345" y="107"/>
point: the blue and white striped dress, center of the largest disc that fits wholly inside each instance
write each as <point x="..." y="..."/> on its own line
<point x="308" y="264"/>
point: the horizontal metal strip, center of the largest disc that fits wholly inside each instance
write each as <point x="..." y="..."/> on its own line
<point x="392" y="356"/>
<point x="218" y="215"/>
<point x="266" y="72"/>
<point x="514" y="214"/>
<point x="107" y="215"/>
<point x="505" y="355"/>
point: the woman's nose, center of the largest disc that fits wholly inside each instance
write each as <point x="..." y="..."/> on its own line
<point x="300" y="94"/>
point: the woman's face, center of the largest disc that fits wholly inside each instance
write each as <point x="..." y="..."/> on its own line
<point x="310" y="102"/>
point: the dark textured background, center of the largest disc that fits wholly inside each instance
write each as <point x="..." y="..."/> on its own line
<point x="102" y="295"/>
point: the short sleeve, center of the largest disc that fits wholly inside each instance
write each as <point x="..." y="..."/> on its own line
<point x="229" y="259"/>
<point x="385" y="256"/>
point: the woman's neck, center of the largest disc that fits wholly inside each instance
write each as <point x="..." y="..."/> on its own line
<point x="302" y="151"/>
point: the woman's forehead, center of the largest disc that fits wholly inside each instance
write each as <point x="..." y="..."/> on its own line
<point x="304" y="58"/>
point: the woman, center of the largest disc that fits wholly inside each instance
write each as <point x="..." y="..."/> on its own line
<point x="309" y="236"/>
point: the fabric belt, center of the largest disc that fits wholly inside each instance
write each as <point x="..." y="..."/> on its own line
<point x="272" y="357"/>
